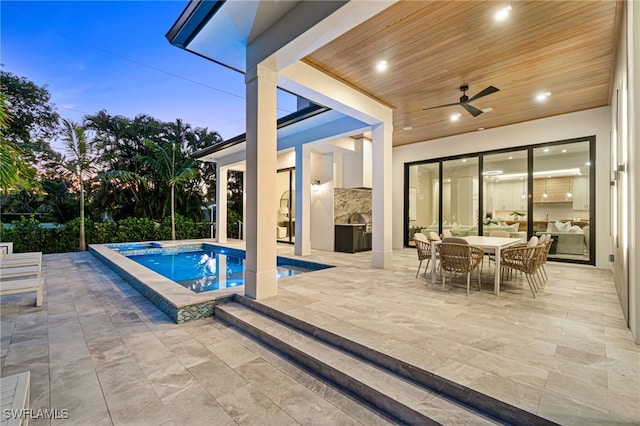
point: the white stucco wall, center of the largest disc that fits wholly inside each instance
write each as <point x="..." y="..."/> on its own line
<point x="580" y="124"/>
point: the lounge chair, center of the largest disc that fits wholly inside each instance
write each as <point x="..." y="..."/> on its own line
<point x="10" y="261"/>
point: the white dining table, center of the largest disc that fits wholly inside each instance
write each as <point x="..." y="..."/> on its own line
<point x="489" y="245"/>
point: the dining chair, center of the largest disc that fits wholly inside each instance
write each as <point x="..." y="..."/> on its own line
<point x="455" y="240"/>
<point x="463" y="258"/>
<point x="423" y="246"/>
<point x="525" y="259"/>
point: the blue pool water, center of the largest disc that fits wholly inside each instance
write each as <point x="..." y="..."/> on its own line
<point x="205" y="267"/>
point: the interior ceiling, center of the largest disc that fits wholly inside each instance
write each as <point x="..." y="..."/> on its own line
<point x="433" y="47"/>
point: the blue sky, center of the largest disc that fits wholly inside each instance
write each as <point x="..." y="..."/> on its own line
<point x="113" y="55"/>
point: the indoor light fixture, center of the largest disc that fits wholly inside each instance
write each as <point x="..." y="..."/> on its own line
<point x="315" y="182"/>
<point x="382" y="66"/>
<point x="455" y="117"/>
<point x="544" y="194"/>
<point x="407" y="128"/>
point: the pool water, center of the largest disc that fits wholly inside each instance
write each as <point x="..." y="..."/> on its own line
<point x="209" y="268"/>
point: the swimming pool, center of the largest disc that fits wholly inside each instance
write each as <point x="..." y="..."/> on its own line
<point x="204" y="267"/>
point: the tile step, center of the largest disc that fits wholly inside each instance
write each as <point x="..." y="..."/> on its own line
<point x="398" y="396"/>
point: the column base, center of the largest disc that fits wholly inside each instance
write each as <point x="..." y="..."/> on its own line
<point x="260" y="285"/>
<point x="382" y="259"/>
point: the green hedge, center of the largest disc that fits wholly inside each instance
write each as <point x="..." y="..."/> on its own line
<point x="27" y="234"/>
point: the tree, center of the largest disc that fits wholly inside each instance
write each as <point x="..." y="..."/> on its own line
<point x="14" y="169"/>
<point x="34" y="121"/>
<point x="163" y="161"/>
<point x="80" y="164"/>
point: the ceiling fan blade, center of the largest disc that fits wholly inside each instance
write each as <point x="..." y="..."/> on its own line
<point x="489" y="90"/>
<point x="471" y="109"/>
<point x="442" y="106"/>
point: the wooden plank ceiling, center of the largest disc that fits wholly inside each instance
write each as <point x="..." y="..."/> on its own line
<point x="432" y="47"/>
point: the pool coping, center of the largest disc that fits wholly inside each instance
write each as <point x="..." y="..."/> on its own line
<point x="179" y="303"/>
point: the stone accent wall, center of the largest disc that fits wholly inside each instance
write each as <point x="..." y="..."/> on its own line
<point x="349" y="201"/>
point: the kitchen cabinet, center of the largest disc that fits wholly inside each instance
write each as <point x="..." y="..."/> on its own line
<point x="556" y="189"/>
<point x="581" y="193"/>
<point x="508" y="196"/>
<point x="352" y="238"/>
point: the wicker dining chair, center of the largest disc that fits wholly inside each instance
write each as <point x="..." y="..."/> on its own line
<point x="526" y="259"/>
<point x="461" y="258"/>
<point x="423" y="246"/>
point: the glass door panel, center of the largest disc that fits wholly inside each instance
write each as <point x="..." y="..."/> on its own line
<point x="460" y="195"/>
<point x="424" y="204"/>
<point x="504" y="177"/>
<point x="561" y="198"/>
<point x="285" y="226"/>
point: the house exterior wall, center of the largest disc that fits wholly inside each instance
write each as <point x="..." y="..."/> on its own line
<point x="586" y="123"/>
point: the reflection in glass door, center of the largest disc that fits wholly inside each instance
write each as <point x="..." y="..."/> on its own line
<point x="423" y="199"/>
<point x="285" y="186"/>
<point x="562" y="198"/>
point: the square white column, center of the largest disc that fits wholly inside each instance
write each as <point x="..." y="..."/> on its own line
<point x="260" y="279"/>
<point x="221" y="203"/>
<point x="382" y="253"/>
<point x="303" y="200"/>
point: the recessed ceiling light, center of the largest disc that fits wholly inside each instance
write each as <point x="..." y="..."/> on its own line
<point x="407" y="128"/>
<point x="382" y="66"/>
<point x="510" y="158"/>
<point x="487" y="109"/>
<point x="455" y="117"/>
<point x="541" y="97"/>
<point x="480" y="129"/>
<point x="564" y="150"/>
<point x="546" y="150"/>
<point x="588" y="163"/>
<point x="492" y="172"/>
<point x="502" y="14"/>
<point x="464" y="160"/>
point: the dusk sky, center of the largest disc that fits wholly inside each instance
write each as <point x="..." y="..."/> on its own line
<point x="113" y="55"/>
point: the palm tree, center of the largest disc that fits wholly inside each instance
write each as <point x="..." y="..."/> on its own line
<point x="163" y="163"/>
<point x="80" y="165"/>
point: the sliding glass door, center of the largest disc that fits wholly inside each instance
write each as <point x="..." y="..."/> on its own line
<point x="534" y="190"/>
<point x="562" y="198"/>
<point x="423" y="199"/>
<point x="504" y="178"/>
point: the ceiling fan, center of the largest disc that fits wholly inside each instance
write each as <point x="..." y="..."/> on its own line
<point x="464" y="100"/>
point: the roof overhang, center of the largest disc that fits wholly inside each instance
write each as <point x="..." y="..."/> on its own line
<point x="310" y="124"/>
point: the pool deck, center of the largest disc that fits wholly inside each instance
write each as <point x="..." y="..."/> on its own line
<point x="103" y="351"/>
<point x="178" y="302"/>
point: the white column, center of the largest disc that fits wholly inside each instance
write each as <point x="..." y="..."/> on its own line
<point x="260" y="222"/>
<point x="303" y="200"/>
<point x="382" y="254"/>
<point x="221" y="203"/>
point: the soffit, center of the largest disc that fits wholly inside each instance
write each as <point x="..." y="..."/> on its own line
<point x="432" y="47"/>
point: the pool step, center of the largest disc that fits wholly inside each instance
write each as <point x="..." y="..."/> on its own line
<point x="398" y="396"/>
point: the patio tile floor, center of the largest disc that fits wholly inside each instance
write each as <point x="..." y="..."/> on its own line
<point x="99" y="349"/>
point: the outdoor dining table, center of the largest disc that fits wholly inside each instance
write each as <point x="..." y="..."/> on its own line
<point x="489" y="245"/>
